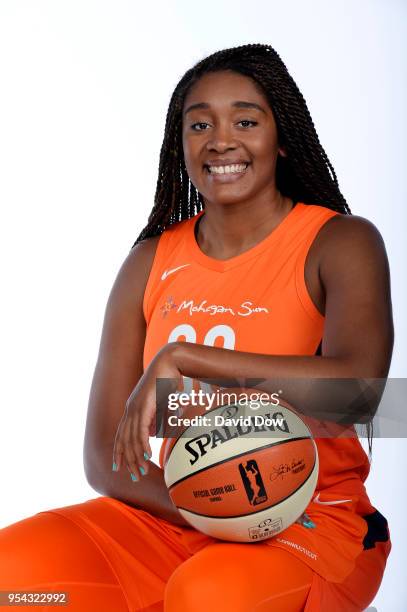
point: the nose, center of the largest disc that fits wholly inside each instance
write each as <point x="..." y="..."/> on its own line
<point x="222" y="138"/>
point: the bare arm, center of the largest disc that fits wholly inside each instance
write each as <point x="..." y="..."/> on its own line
<point x="118" y="369"/>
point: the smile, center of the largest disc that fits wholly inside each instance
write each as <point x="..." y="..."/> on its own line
<point x="226" y="174"/>
<point x="234" y="168"/>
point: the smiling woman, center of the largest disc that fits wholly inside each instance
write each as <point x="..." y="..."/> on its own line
<point x="250" y="267"/>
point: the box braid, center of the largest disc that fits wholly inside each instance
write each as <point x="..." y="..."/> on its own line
<point x="305" y="175"/>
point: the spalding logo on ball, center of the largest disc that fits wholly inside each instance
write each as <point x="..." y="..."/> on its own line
<point x="243" y="482"/>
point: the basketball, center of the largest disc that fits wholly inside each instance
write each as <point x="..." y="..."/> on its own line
<point x="243" y="474"/>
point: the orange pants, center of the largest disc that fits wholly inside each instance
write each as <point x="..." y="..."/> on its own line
<point x="111" y="557"/>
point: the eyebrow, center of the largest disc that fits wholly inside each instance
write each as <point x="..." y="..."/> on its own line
<point x="236" y="104"/>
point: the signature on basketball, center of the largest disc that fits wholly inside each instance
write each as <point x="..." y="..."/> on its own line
<point x="285" y="468"/>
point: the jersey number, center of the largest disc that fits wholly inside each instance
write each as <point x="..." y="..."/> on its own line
<point x="218" y="331"/>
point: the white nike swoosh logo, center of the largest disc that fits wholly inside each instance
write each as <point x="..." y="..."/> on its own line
<point x="168" y="272"/>
<point x="330" y="503"/>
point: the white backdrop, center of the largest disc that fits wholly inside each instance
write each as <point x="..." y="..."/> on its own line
<point x="85" y="86"/>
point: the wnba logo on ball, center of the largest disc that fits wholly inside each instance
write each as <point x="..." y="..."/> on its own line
<point x="253" y="482"/>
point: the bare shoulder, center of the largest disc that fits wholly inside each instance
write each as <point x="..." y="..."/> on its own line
<point x="137" y="265"/>
<point x="125" y="300"/>
<point x="350" y="239"/>
<point x="143" y="251"/>
<point x="351" y="229"/>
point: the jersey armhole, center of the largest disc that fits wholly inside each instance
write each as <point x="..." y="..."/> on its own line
<point x="300" y="284"/>
<point x="159" y="256"/>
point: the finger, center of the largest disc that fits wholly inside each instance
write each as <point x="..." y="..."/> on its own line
<point x="142" y="455"/>
<point x="140" y="463"/>
<point x="152" y="430"/>
<point x="118" y="448"/>
<point x="144" y="424"/>
<point x="138" y="466"/>
<point x="128" y="450"/>
<point x="144" y="436"/>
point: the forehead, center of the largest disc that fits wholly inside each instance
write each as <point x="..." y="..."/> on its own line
<point x="219" y="88"/>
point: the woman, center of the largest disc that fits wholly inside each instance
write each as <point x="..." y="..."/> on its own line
<point x="272" y="278"/>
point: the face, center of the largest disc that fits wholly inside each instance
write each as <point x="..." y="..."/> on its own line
<point x="227" y="121"/>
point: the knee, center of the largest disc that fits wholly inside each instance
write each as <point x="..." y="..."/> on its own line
<point x="16" y="555"/>
<point x="192" y="591"/>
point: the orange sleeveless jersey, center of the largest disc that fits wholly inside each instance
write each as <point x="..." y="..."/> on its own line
<point x="258" y="302"/>
<point x="124" y="558"/>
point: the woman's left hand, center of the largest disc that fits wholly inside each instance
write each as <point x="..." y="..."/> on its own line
<point x="139" y="419"/>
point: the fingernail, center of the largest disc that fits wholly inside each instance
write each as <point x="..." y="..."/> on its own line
<point x="146" y="456"/>
<point x="133" y="477"/>
<point x="142" y="470"/>
<point x="114" y="467"/>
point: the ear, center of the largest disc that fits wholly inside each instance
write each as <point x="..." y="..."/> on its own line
<point x="282" y="152"/>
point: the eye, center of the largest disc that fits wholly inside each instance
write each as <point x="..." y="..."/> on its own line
<point x="248" y="121"/>
<point x="200" y="123"/>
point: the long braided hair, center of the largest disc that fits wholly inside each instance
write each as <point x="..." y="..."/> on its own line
<point x="305" y="174"/>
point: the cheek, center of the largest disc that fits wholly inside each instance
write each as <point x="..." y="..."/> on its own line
<point x="189" y="152"/>
<point x="264" y="146"/>
<point x="192" y="170"/>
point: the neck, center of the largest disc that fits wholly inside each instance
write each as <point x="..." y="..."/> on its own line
<point x="226" y="231"/>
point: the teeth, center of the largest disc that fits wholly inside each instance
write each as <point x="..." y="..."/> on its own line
<point x="227" y="169"/>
